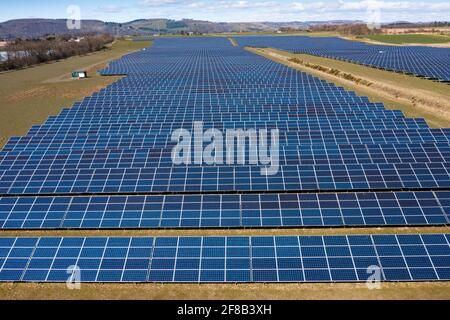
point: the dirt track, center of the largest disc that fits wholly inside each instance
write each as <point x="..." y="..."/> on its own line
<point x="432" y="45"/>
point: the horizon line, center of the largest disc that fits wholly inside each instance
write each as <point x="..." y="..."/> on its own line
<point x="260" y="21"/>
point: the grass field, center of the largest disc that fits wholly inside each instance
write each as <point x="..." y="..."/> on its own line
<point x="384" y="38"/>
<point x="29" y="96"/>
<point x="231" y="34"/>
<point x="296" y="33"/>
<point x="391" y="291"/>
<point x="233" y="42"/>
<point x="409" y="38"/>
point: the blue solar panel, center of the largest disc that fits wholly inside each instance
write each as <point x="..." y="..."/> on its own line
<point x="420" y="61"/>
<point x="30" y="144"/>
<point x="154" y="157"/>
<point x="106" y="163"/>
<point x="118" y="139"/>
<point x="226" y="211"/>
<point x="227" y="259"/>
<point x="285" y="126"/>
<point x="392" y="176"/>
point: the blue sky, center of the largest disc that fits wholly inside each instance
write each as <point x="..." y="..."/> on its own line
<point x="231" y="10"/>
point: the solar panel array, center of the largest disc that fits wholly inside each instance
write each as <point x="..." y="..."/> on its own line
<point x="106" y="163"/>
<point x="227" y="259"/>
<point x="180" y="81"/>
<point x="427" y="62"/>
<point x="226" y="211"/>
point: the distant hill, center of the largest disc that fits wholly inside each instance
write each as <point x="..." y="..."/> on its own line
<point x="33" y="28"/>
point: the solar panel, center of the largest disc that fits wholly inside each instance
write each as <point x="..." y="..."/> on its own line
<point x="226" y="211"/>
<point x="285" y="126"/>
<point x="227" y="259"/>
<point x="29" y="144"/>
<point x="106" y="163"/>
<point x="432" y="63"/>
<point x="227" y="178"/>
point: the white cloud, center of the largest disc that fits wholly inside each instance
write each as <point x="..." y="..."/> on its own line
<point x="111" y="9"/>
<point x="161" y="3"/>
<point x="244" y="4"/>
<point x="284" y="10"/>
<point x="195" y="5"/>
<point x="298" y="6"/>
<point x="393" y="5"/>
<point x="440" y="6"/>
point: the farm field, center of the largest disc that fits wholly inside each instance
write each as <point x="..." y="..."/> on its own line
<point x="31" y="101"/>
<point x="389" y="291"/>
<point x="409" y="38"/>
<point x="225" y="158"/>
<point x="232" y="34"/>
<point x="30" y="95"/>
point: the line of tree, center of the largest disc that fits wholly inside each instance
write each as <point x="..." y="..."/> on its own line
<point x="24" y="53"/>
<point x="436" y="24"/>
<point x="291" y="29"/>
<point x="346" y="29"/>
<point x="189" y="33"/>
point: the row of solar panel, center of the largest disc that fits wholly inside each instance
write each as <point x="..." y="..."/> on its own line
<point x="133" y="110"/>
<point x="208" y="108"/>
<point x="29" y="144"/>
<point x="278" y="94"/>
<point x="228" y="178"/>
<point x="318" y="149"/>
<point x="122" y="107"/>
<point x="239" y="99"/>
<point x="168" y="129"/>
<point x="226" y="259"/>
<point x="226" y="211"/>
<point x="288" y="155"/>
<point x="314" y="136"/>
<point x="204" y="114"/>
<point x="183" y="118"/>
<point x="128" y="90"/>
<point x="421" y="61"/>
<point x="223" y="117"/>
<point x="281" y="124"/>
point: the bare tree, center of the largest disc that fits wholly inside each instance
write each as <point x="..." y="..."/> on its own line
<point x="24" y="53"/>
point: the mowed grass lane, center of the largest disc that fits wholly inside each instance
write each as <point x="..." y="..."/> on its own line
<point x="409" y="38"/>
